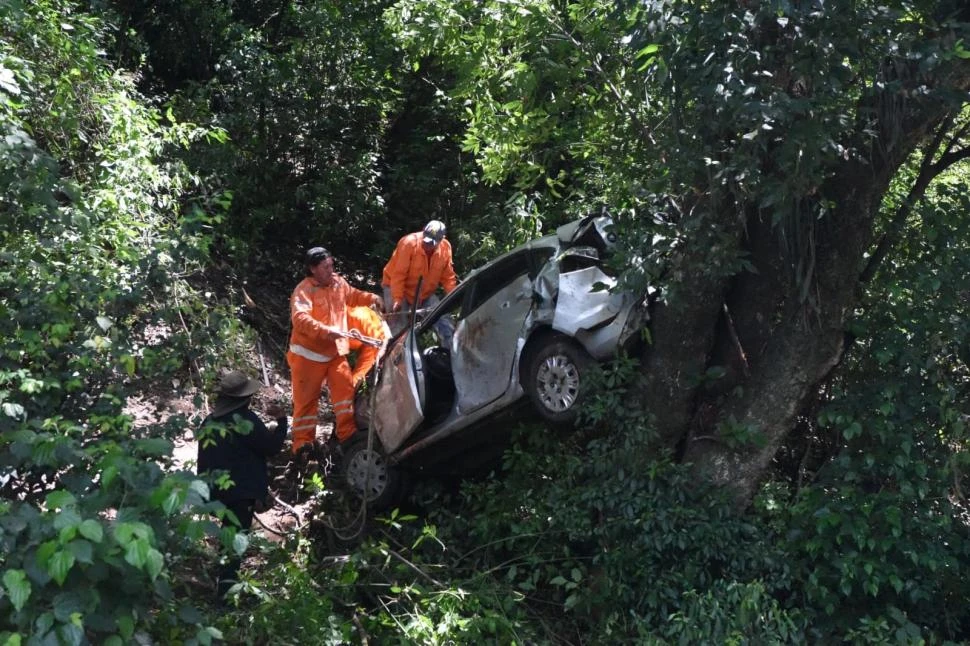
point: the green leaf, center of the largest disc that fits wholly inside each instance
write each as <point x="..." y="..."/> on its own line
<point x="82" y="550"/>
<point x="137" y="552"/>
<point x="45" y="552"/>
<point x="128" y="362"/>
<point x="172" y="502"/>
<point x="108" y="475"/>
<point x="59" y="499"/>
<point x="70" y="634"/>
<point x="154" y="562"/>
<point x="854" y="429"/>
<point x="125" y="533"/>
<point x="239" y="543"/>
<point x="92" y="530"/>
<point x="67" y="534"/>
<point x="59" y="565"/>
<point x="126" y="626"/>
<point x="69" y="605"/>
<point x="18" y="587"/>
<point x="16" y="411"/>
<point x="65" y="519"/>
<point x="8" y="82"/>
<point x="190" y="614"/>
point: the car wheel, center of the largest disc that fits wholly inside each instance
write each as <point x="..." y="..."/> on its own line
<point x="368" y="474"/>
<point x="555" y="379"/>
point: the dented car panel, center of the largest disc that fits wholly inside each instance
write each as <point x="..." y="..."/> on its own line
<point x="602" y="342"/>
<point x="580" y="306"/>
<point x="481" y="374"/>
<point x="398" y="398"/>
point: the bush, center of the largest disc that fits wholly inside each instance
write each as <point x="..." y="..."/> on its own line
<point x="93" y="518"/>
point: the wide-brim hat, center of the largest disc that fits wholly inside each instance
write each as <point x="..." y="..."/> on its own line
<point x="233" y="391"/>
<point x="225" y="405"/>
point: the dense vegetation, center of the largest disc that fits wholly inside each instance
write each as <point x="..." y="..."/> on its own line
<point x="784" y="463"/>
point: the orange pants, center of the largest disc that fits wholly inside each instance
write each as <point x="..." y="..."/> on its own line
<point x="369" y="323"/>
<point x="308" y="378"/>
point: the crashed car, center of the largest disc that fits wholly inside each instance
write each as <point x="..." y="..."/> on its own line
<point x="527" y="328"/>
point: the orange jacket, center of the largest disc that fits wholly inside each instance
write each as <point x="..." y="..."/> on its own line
<point x="315" y="308"/>
<point x="367" y="322"/>
<point x="409" y="262"/>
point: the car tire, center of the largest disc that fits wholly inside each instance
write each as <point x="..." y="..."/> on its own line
<point x="555" y="379"/>
<point x="367" y="474"/>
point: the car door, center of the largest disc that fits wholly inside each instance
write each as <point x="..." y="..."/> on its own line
<point x="397" y="404"/>
<point x="486" y="337"/>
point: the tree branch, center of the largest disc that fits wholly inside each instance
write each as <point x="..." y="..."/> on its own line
<point x="927" y="173"/>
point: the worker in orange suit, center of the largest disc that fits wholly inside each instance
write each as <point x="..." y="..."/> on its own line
<point x="424" y="255"/>
<point x="319" y="345"/>
<point x="370" y="324"/>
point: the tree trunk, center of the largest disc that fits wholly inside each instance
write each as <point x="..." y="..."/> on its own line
<point x="777" y="336"/>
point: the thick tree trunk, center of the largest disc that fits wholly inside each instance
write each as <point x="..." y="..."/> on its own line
<point x="780" y="337"/>
<point x="683" y="330"/>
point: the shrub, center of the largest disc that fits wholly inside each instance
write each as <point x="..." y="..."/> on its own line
<point x="93" y="518"/>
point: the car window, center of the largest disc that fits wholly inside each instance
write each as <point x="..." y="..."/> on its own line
<point x="578" y="258"/>
<point x="595" y="232"/>
<point x="497" y="277"/>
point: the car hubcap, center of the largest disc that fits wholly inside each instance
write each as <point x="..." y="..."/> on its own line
<point x="557" y="383"/>
<point x="367" y="473"/>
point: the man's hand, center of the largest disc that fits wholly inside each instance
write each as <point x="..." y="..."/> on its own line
<point x="275" y="411"/>
<point x="396" y="306"/>
<point x="330" y="334"/>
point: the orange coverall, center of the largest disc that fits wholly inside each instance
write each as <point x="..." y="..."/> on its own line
<point x="409" y="262"/>
<point x="369" y="323"/>
<point x="314" y="358"/>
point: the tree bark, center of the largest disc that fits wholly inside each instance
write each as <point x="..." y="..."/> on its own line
<point x="792" y="332"/>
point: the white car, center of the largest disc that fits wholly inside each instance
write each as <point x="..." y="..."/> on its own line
<point x="527" y="327"/>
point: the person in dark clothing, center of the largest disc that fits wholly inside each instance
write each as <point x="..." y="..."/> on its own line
<point x="233" y="439"/>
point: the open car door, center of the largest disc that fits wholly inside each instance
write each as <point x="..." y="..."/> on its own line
<point x="397" y="402"/>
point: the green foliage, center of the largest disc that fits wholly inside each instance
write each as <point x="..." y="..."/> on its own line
<point x="291" y="603"/>
<point x="385" y="590"/>
<point x="697" y="118"/>
<point x="881" y="532"/>
<point x="732" y="613"/>
<point x="612" y="538"/>
<point x="546" y="95"/>
<point x="94" y="519"/>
